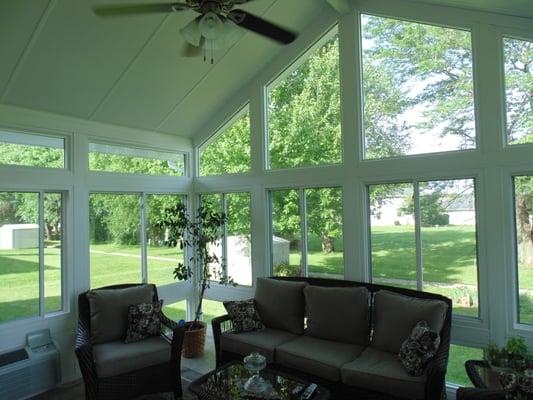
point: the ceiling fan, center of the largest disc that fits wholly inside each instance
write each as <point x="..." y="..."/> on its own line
<point x="217" y="24"/>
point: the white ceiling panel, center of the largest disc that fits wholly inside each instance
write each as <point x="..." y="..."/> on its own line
<point x="76" y="59"/>
<point x="160" y="78"/>
<point x="19" y="19"/>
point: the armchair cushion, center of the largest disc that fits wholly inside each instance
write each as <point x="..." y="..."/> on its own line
<point x="396" y="315"/>
<point x="381" y="371"/>
<point x="143" y="321"/>
<point x="340" y="314"/>
<point x="281" y="305"/>
<point x="109" y="310"/>
<point x="116" y="358"/>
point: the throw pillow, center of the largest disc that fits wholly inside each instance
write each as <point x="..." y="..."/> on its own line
<point x="143" y="321"/>
<point x="419" y="348"/>
<point x="244" y="315"/>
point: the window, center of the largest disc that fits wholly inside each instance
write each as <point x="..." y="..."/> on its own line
<point x="523" y="199"/>
<point x="423" y="236"/>
<point x="176" y="311"/>
<point x="229" y="151"/>
<point x="417" y="88"/>
<point x="129" y="160"/>
<point x="304" y="111"/>
<point x="31" y="261"/>
<point x="306" y="226"/>
<point x="518" y="56"/>
<point x="235" y="248"/>
<point x="31" y="150"/>
<point x="119" y="252"/>
<point x="456" y="372"/>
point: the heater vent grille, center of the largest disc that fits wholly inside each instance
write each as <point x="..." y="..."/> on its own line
<point x="13" y="357"/>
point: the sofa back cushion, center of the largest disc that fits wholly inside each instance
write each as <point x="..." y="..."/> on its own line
<point x="340" y="314"/>
<point x="395" y="316"/>
<point x="281" y="304"/>
<point x="109" y="310"/>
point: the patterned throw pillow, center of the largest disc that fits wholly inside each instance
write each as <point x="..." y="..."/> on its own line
<point x="244" y="315"/>
<point x="419" y="348"/>
<point x="143" y="321"/>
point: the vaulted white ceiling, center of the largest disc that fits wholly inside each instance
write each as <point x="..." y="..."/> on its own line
<point x="57" y="56"/>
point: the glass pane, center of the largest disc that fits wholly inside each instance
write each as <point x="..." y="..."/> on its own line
<point x="115" y="250"/>
<point x="229" y="152"/>
<point x="417" y="88"/>
<point x="212" y="309"/>
<point x="523" y="188"/>
<point x="518" y="83"/>
<point x="286" y="233"/>
<point x="213" y="201"/>
<point x="392" y="235"/>
<point x="176" y="311"/>
<point x="456" y="372"/>
<point x="449" y="242"/>
<point x="239" y="238"/>
<point x="31" y="150"/>
<point x="19" y="255"/>
<point x="324" y="233"/>
<point x="304" y="112"/>
<point x="53" y="247"/>
<point x="161" y="259"/>
<point x="104" y="157"/>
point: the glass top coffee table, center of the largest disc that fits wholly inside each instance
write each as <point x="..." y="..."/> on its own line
<point x="227" y="383"/>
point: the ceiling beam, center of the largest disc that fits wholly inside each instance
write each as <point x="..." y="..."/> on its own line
<point x="341" y="6"/>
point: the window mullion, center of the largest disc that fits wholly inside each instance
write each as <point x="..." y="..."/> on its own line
<point x="144" y="255"/>
<point x="41" y="254"/>
<point x="224" y="252"/>
<point x="418" y="236"/>
<point x="303" y="224"/>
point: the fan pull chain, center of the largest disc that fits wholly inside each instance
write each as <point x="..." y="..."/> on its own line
<point x="211" y="52"/>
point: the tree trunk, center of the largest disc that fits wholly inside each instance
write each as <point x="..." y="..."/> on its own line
<point x="198" y="313"/>
<point x="328" y="246"/>
<point x="524" y="233"/>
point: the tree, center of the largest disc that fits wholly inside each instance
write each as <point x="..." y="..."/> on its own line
<point x="524" y="223"/>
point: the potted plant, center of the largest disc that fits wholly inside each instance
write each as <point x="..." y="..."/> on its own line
<point x="199" y="236"/>
<point x="513" y="356"/>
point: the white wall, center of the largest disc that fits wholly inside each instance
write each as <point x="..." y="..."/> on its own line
<point x="492" y="164"/>
<point x="77" y="182"/>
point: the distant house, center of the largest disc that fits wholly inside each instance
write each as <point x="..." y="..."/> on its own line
<point x="19" y="236"/>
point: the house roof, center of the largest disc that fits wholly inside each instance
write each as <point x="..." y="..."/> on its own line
<point x="57" y="56"/>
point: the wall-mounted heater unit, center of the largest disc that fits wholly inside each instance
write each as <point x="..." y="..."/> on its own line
<point x="31" y="370"/>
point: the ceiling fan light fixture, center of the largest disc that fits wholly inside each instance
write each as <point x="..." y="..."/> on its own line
<point x="211" y="26"/>
<point x="232" y="32"/>
<point x="191" y="33"/>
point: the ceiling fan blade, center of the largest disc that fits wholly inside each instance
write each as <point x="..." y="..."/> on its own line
<point x="261" y="26"/>
<point x="188" y="50"/>
<point x="136" y="9"/>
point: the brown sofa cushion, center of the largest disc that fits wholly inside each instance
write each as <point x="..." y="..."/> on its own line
<point x="381" y="371"/>
<point x="109" y="310"/>
<point x="281" y="304"/>
<point x="265" y="342"/>
<point x="396" y="315"/>
<point x="322" y="358"/>
<point x="338" y="314"/>
<point x="115" y="358"/>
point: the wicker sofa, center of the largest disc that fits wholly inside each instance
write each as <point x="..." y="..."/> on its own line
<point x="114" y="370"/>
<point x="350" y="343"/>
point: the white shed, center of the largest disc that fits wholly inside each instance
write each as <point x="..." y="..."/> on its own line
<point x="19" y="236"/>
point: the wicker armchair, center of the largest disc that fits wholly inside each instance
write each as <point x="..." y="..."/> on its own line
<point x="162" y="377"/>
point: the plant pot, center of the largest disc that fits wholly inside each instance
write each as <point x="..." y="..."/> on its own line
<point x="194" y="340"/>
